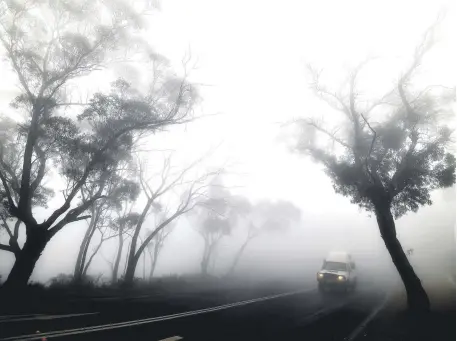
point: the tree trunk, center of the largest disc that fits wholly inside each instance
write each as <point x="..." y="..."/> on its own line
<point x="132" y="258"/>
<point x="417" y="297"/>
<point x="153" y="258"/>
<point x="86" y="266"/>
<point x="78" y="266"/>
<point x="118" y="257"/>
<point x="144" y="264"/>
<point x="82" y="254"/>
<point x="204" y="265"/>
<point x="26" y="259"/>
<point x="80" y="273"/>
<point x="131" y="267"/>
<point x="206" y="258"/>
<point x="237" y="258"/>
<point x="127" y="260"/>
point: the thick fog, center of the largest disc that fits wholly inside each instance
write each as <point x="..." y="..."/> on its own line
<point x="251" y="58"/>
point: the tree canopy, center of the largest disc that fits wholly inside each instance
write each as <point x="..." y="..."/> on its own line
<point x="396" y="148"/>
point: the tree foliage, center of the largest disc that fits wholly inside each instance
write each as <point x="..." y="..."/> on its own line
<point x="394" y="149"/>
<point x="50" y="46"/>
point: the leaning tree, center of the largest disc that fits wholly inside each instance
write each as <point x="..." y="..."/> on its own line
<point x="389" y="155"/>
<point x="49" y="45"/>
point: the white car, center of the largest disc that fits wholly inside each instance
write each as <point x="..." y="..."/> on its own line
<point x="338" y="272"/>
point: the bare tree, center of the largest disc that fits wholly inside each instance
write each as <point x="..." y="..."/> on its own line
<point x="388" y="167"/>
<point x="69" y="41"/>
<point x="168" y="182"/>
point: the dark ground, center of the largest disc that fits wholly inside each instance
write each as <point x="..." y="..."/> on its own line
<point x="302" y="316"/>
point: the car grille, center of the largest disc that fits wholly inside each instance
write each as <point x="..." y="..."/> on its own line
<point x="330" y="277"/>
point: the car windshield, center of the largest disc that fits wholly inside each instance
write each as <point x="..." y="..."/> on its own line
<point x="334" y="266"/>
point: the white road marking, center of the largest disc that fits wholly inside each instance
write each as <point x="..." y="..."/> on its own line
<point x="367" y="320"/>
<point x="43" y="317"/>
<point x="173" y="338"/>
<point x="148" y="320"/>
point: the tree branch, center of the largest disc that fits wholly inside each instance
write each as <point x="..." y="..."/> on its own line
<point x="73" y="214"/>
<point x="7" y="248"/>
<point x="324" y="94"/>
<point x="370" y="171"/>
<point x="423" y="47"/>
<point x="326" y="132"/>
<point x="9" y="170"/>
<point x="382" y="101"/>
<point x="6" y="226"/>
<point x="182" y="208"/>
<point x="12" y="206"/>
<point x="84" y="217"/>
<point x="17" y="68"/>
<point x="394" y="187"/>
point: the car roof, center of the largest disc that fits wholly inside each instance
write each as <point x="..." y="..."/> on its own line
<point x="338" y="256"/>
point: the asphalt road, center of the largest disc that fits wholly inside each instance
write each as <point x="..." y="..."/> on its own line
<point x="244" y="315"/>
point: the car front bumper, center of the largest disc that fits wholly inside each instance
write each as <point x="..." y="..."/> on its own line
<point x="334" y="285"/>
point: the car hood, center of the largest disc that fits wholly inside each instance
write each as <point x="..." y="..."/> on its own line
<point x="339" y="273"/>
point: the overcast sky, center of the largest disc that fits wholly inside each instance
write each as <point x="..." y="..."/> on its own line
<point x="251" y="59"/>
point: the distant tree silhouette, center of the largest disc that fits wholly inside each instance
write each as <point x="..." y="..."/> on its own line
<point x="387" y="166"/>
<point x="263" y="217"/>
<point x="214" y="220"/>
<point x="156" y="244"/>
<point x="49" y="45"/>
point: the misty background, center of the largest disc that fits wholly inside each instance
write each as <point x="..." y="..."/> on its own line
<point x="250" y="59"/>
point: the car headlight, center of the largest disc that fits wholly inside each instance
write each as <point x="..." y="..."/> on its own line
<point x="320" y="275"/>
<point x="341" y="278"/>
